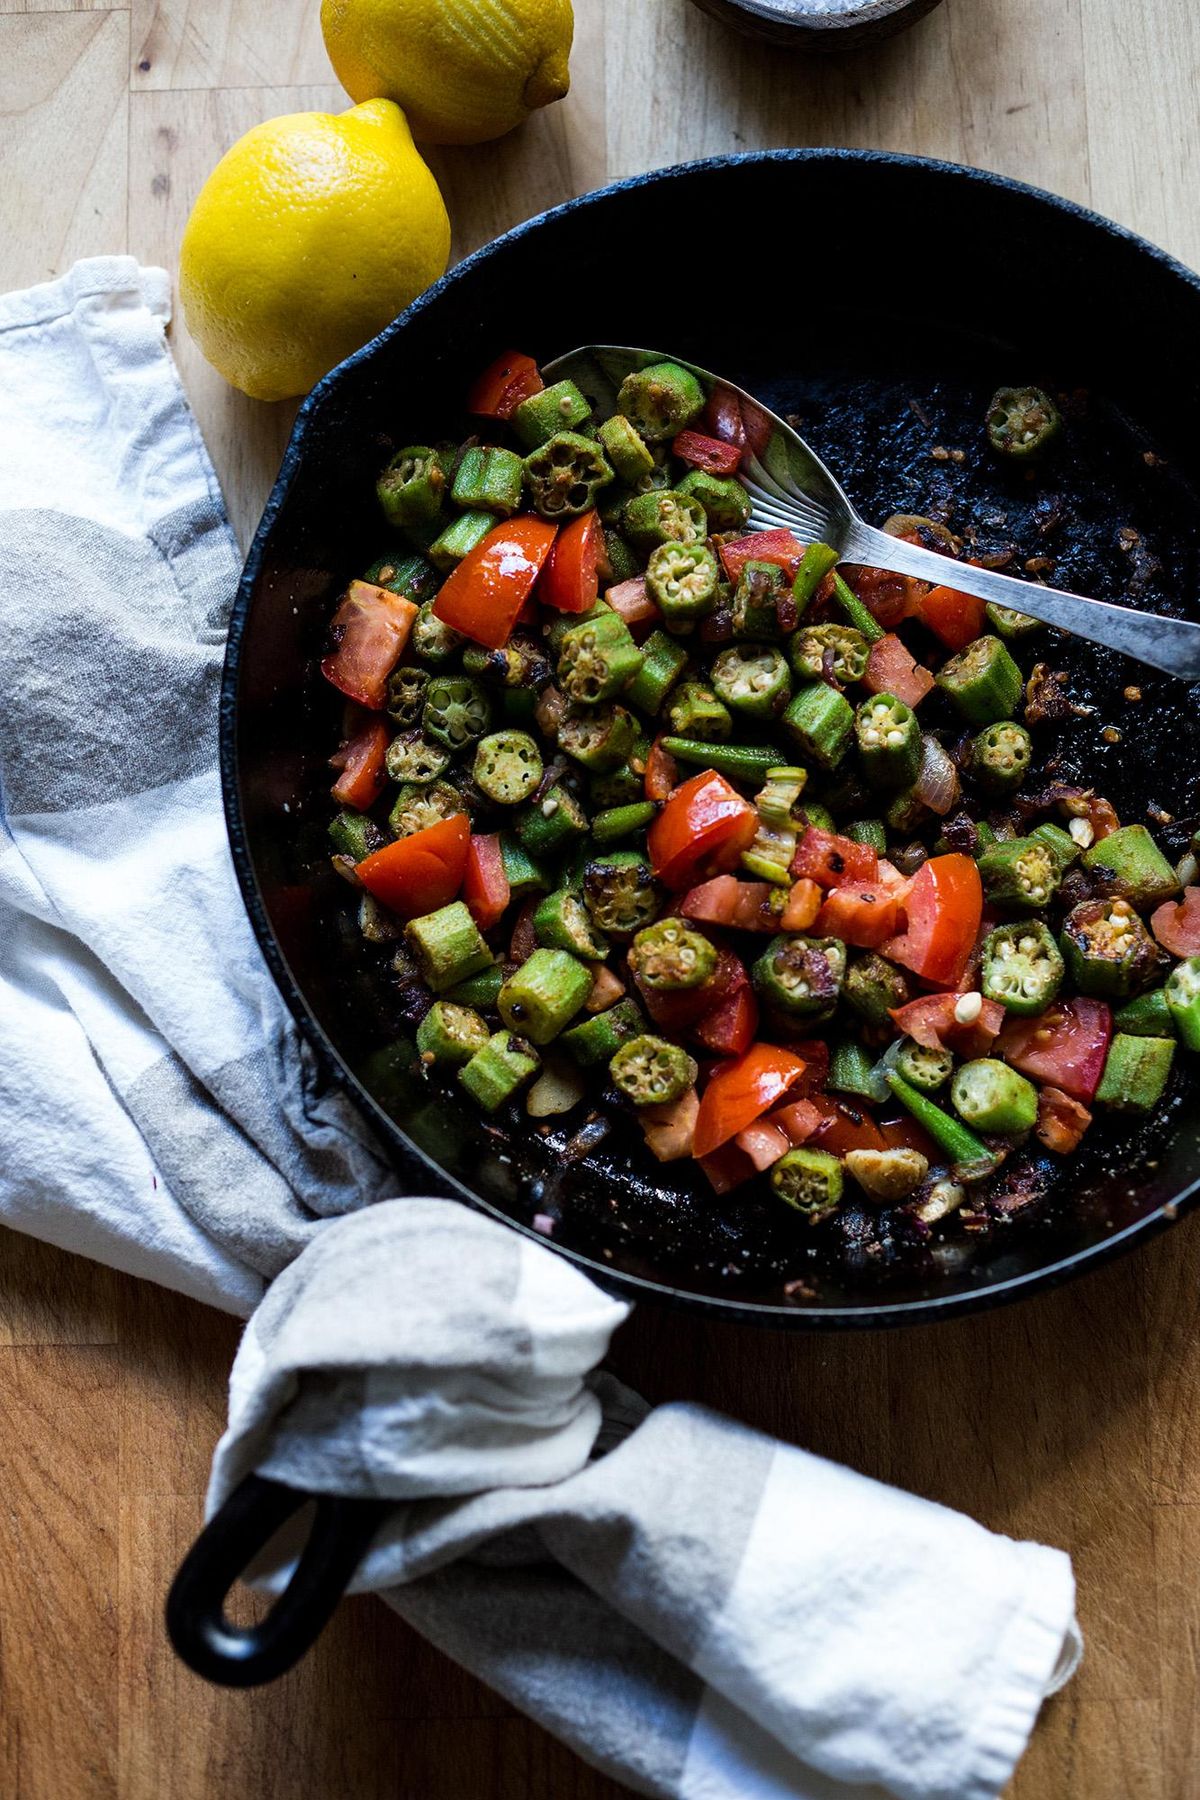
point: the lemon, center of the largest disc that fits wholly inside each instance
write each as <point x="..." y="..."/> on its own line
<point x="308" y="237"/>
<point x="463" y="70"/>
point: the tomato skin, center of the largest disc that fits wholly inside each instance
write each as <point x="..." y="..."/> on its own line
<point x="679" y="1009"/>
<point x="632" y="601"/>
<point x="1064" y="1047"/>
<point x="485" y="886"/>
<point x="1061" y="1121"/>
<point x="860" y="913"/>
<point x="942" y="912"/>
<point x="483" y="595"/>
<point x="1176" y="924"/>
<point x="830" y="860"/>
<point x="418" y="874"/>
<point x="740" y="1092"/>
<point x="930" y="1021"/>
<point x="892" y="669"/>
<point x="662" y="773"/>
<point x="705" y="823"/>
<point x="797" y="1120"/>
<point x="503" y="385"/>
<point x="711" y="455"/>
<point x="361" y="761"/>
<point x="570" y="579"/>
<point x="369" y="631"/>
<point x="889" y="598"/>
<point x="779" y="546"/>
<point x="844" y="1127"/>
<point x="727" y="1168"/>
<point x="729" y="1029"/>
<point x="954" y="617"/>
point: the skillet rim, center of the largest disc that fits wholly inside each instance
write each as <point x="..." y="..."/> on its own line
<point x="409" y="1159"/>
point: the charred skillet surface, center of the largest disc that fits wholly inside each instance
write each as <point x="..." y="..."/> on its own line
<point x="1119" y="516"/>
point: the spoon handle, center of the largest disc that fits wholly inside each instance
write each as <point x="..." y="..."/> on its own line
<point x="1169" y="644"/>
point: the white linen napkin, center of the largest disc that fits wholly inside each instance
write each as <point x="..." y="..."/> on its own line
<point x="699" y="1610"/>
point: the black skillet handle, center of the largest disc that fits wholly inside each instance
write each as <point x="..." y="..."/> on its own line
<point x="240" y="1657"/>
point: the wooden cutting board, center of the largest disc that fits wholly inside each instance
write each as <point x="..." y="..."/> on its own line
<point x="1070" y="1418"/>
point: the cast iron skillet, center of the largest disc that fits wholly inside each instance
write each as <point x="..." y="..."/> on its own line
<point x="751" y="265"/>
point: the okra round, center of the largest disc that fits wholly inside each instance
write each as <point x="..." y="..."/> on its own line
<point x="625" y="448"/>
<point x="1130" y="864"/>
<point x="620" y="893"/>
<point x="753" y="679"/>
<point x="457" y="711"/>
<point x="661" y="400"/>
<point x="663" y="516"/>
<point x="508" y="766"/>
<point x="809" y="1181"/>
<point x="1022" y="967"/>
<point x="1136" y="1072"/>
<point x="600" y="738"/>
<point x="663" y="662"/>
<point x="821" y="722"/>
<point x="498" y="1071"/>
<point x="1182" y="996"/>
<point x="553" y="824"/>
<point x="725" y="501"/>
<point x="1020" y="872"/>
<point x="1107" y="950"/>
<point x="597" y="659"/>
<point x="419" y="805"/>
<point x="763" y="608"/>
<point x="562" y="922"/>
<point x="652" y="1072"/>
<point x="671" y="955"/>
<point x="544" y="994"/>
<point x="694" y="711"/>
<point x="837" y="650"/>
<point x="565" y="475"/>
<point x="982" y="681"/>
<point x="450" y="1035"/>
<point x="990" y="1096"/>
<point x="411" y="489"/>
<point x="554" y="409"/>
<point x="447" y="946"/>
<point x="1022" y="423"/>
<point x="598" y="1040"/>
<point x="889" y="741"/>
<point x="682" y="580"/>
<point x="1000" y="756"/>
<point x="412" y="758"/>
<point x="406" y="696"/>
<point x="801" y="976"/>
<point x="432" y="641"/>
<point x="926" y="1068"/>
<point x="488" y="480"/>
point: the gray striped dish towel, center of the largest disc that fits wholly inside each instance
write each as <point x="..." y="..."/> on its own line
<point x="703" y="1612"/>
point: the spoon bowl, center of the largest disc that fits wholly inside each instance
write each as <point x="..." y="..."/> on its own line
<point x="791" y="489"/>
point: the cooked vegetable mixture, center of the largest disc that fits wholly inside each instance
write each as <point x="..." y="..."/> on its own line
<point x="669" y="818"/>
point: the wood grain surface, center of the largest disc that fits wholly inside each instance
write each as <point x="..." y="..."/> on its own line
<point x="1070" y="1418"/>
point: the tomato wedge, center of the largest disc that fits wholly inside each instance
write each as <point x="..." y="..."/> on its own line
<point x="889" y="598"/>
<point x="740" y="1092"/>
<point x="1061" y="1121"/>
<point x="632" y="601"/>
<point x="485" y="887"/>
<point x="861" y="913"/>
<point x="1176" y="924"/>
<point x="370" y="629"/>
<point x="679" y="1009"/>
<point x="501" y="388"/>
<point x="662" y="772"/>
<point x="483" y="595"/>
<point x="954" y="617"/>
<point x="893" y="669"/>
<point x="712" y="455"/>
<point x="942" y="913"/>
<point x="729" y="1029"/>
<point x="703" y="828"/>
<point x="802" y="906"/>
<point x="930" y="1021"/>
<point x="741" y="905"/>
<point x="727" y="1168"/>
<point x="763" y="1143"/>
<point x="798" y="1119"/>
<point x="570" y="580"/>
<point x="1065" y="1046"/>
<point x="418" y="874"/>
<point x="780" y="547"/>
<point x="829" y="860"/>
<point x="361" y="761"/>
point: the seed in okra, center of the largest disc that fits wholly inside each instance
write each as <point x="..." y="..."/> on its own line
<point x="596" y="660"/>
<point x="801" y="976"/>
<point x="889" y="741"/>
<point x="1182" y="997"/>
<point x="599" y="738"/>
<point x="1000" y="756"/>
<point x="457" y="711"/>
<point x="763" y="607"/>
<point x="1136" y="1072"/>
<point x="661" y="400"/>
<point x="926" y="1068"/>
<point x="419" y="805"/>
<point x="1022" y="423"/>
<point x="663" y="516"/>
<point x="649" y="1071"/>
<point x="1019" y="872"/>
<point x="694" y="711"/>
<point x="1130" y="864"/>
<point x="562" y="922"/>
<point x="1107" y="949"/>
<point x="620" y="893"/>
<point x="507" y="767"/>
<point x="411" y="757"/>
<point x="809" y="1181"/>
<point x="752" y="679"/>
<point x="447" y="946"/>
<point x="497" y="1072"/>
<point x="821" y="722"/>
<point x="565" y="475"/>
<point x="982" y="682"/>
<point x="682" y="580"/>
<point x="1022" y="967"/>
<point x="450" y="1034"/>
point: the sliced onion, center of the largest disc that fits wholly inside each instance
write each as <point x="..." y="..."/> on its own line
<point x="937" y="779"/>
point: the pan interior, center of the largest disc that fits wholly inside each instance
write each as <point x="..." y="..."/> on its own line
<point x="888" y="371"/>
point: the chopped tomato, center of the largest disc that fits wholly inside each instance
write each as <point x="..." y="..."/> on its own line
<point x="678" y="1009"/>
<point x="502" y="387"/>
<point x="781" y="547"/>
<point x="862" y="913"/>
<point x="798" y="1119"/>
<point x="893" y="669"/>
<point x="1176" y="924"/>
<point x="486" y="887"/>
<point x="729" y="1029"/>
<point x="669" y="1128"/>
<point x="930" y="1021"/>
<point x="662" y="772"/>
<point x="484" y="593"/>
<point x="570" y="579"/>
<point x="890" y="878"/>
<point x="942" y="913"/>
<point x="844" y="1127"/>
<point x="802" y="906"/>
<point x="369" y="631"/>
<point x="903" y="1133"/>
<point x="726" y="1168"/>
<point x="723" y="416"/>
<point x="361" y="761"/>
<point x="954" y="617"/>
<point x="829" y="860"/>
<point x="1065" y="1046"/>
<point x="742" y="905"/>
<point x="418" y="874"/>
<point x="740" y="1092"/>
<point x="702" y="829"/>
<point x="1061" y="1121"/>
<point x="710" y="454"/>
<point x="763" y="1143"/>
<point x="607" y="989"/>
<point x="889" y="598"/>
<point x="632" y="601"/>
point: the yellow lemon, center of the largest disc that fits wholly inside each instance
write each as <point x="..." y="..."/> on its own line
<point x="309" y="236"/>
<point x="463" y="70"/>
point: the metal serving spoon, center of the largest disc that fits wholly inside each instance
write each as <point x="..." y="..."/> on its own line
<point x="789" y="486"/>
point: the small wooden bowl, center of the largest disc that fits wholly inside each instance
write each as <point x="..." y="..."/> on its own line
<point x="786" y="25"/>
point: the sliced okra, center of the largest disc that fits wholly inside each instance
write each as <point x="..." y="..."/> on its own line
<point x="1022" y="967"/>
<point x="447" y="946"/>
<point x="1058" y="841"/>
<point x="966" y="1151"/>
<point x="1130" y="864"/>
<point x="598" y="1039"/>
<point x="860" y="617"/>
<point x="404" y="572"/>
<point x="1013" y="627"/>
<point x="610" y="788"/>
<point x="871" y="832"/>
<point x="596" y="659"/>
<point x="927" y="1068"/>
<point x="819" y="651"/>
<point x="419" y="805"/>
<point x="663" y="516"/>
<point x="479" y="990"/>
<point x="737" y="762"/>
<point x="1136" y="1072"/>
<point x="982" y="682"/>
<point x="600" y="737"/>
<point x="432" y="641"/>
<point x="621" y="562"/>
<point x="1181" y="996"/>
<point x="457" y="711"/>
<point x="406" y="695"/>
<point x="753" y="679"/>
<point x="498" y="1071"/>
<point x="1022" y="423"/>
<point x="411" y="757"/>
<point x="1019" y="872"/>
<point x="565" y="475"/>
<point x="801" y="976"/>
<point x="778" y="801"/>
<point x="507" y="767"/>
<point x="763" y="607"/>
<point x="450" y="1034"/>
<point x="815" y="565"/>
<point x="411" y="490"/>
<point x="625" y="448"/>
<point x="663" y="662"/>
<point x="555" y="409"/>
<point x="851" y="1070"/>
<point x="671" y="955"/>
<point x="992" y="1097"/>
<point x="821" y="722"/>
<point x="554" y="824"/>
<point x="725" y="501"/>
<point x="694" y="711"/>
<point x="544" y="994"/>
<point x="523" y="873"/>
<point x="874" y="988"/>
<point x="660" y="400"/>
<point x="1148" y="1015"/>
<point x="562" y="922"/>
<point x="521" y="663"/>
<point x="652" y="1072"/>
<point x="1000" y="756"/>
<point x="353" y="835"/>
<point x="682" y="580"/>
<point x="809" y="1181"/>
<point x="620" y="893"/>
<point x="616" y="822"/>
<point x="889" y="741"/>
<point x="1107" y="949"/>
<point x="488" y="480"/>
